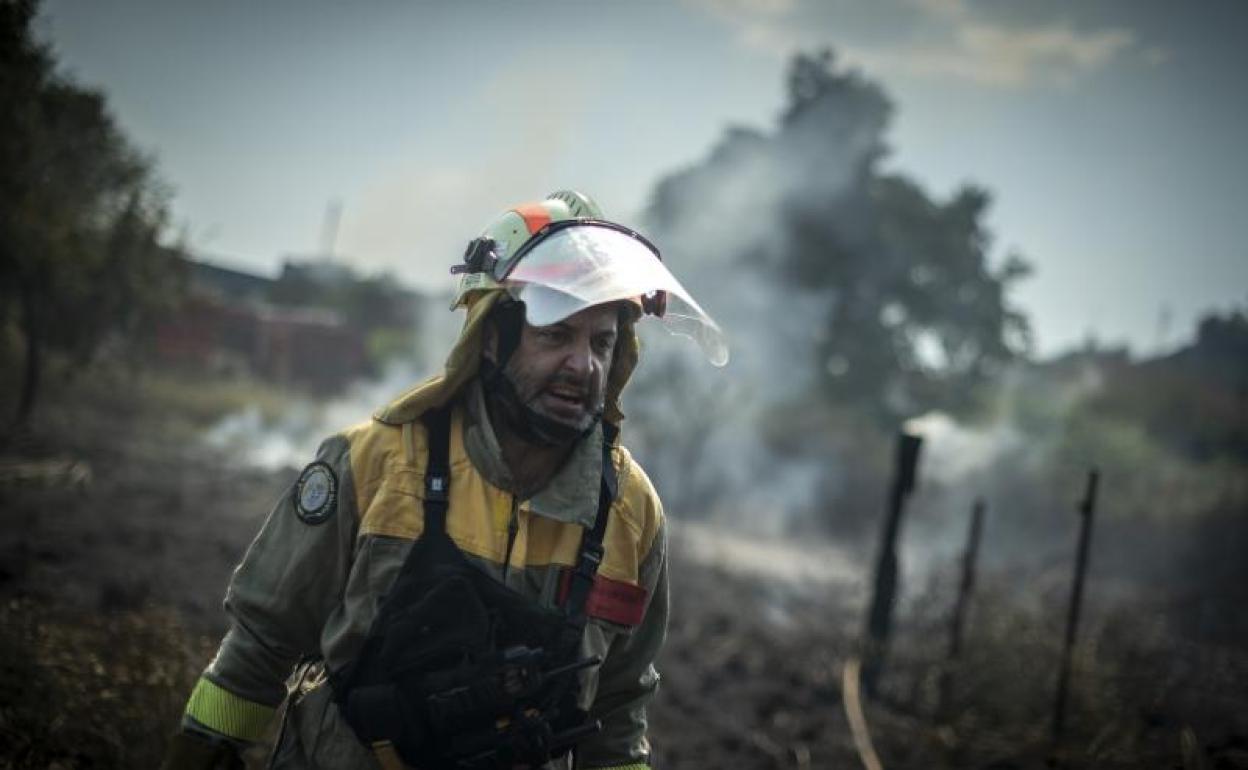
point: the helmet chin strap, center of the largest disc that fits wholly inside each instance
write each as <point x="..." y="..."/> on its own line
<point x="520" y="419"/>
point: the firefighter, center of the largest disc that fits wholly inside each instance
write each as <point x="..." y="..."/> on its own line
<point x="477" y="576"/>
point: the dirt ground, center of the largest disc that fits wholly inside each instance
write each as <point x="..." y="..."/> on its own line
<point x="120" y="531"/>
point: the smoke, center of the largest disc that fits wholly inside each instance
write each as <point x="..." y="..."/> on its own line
<point x="800" y="565"/>
<point x="715" y="440"/>
<point x="1006" y="460"/>
<point x="748" y="446"/>
<point x="290" y="439"/>
<point x="954" y="452"/>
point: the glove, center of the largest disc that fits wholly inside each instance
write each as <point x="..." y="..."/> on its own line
<point x="189" y="750"/>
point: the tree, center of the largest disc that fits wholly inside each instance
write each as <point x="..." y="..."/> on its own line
<point x="80" y="213"/>
<point x="886" y="294"/>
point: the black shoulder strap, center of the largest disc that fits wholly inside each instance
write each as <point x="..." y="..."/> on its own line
<point x="437" y="469"/>
<point x="437" y="493"/>
<point x="581" y="581"/>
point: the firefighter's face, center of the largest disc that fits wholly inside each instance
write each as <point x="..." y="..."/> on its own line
<point x="560" y="371"/>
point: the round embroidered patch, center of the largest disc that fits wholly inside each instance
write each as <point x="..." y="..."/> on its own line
<point x="316" y="493"/>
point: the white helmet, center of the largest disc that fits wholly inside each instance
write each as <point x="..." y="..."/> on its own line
<point x="559" y="256"/>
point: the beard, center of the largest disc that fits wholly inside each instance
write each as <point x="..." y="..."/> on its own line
<point x="526" y="404"/>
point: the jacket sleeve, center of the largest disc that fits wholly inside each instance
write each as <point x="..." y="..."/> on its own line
<point x="628" y="678"/>
<point x="278" y="600"/>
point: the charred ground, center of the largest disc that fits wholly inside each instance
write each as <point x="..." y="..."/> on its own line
<point x="121" y="530"/>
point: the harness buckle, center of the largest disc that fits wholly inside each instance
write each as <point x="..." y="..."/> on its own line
<point x="590" y="561"/>
<point x="436" y="488"/>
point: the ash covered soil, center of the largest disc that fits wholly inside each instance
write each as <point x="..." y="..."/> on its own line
<point x="120" y="530"/>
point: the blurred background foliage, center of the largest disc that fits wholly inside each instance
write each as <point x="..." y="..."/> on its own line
<point x="82" y="214"/>
<point x="854" y="299"/>
<point x="912" y="316"/>
<point x="89" y="268"/>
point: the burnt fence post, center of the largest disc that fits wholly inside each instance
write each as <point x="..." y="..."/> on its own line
<point x="884" y="593"/>
<point x="1087" y="509"/>
<point x="965" y="587"/>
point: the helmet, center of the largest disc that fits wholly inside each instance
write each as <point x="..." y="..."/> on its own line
<point x="508" y="233"/>
<point x="560" y="256"/>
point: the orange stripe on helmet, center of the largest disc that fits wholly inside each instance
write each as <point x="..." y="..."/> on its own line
<point x="535" y="216"/>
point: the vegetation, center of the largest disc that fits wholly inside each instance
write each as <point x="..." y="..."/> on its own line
<point x="81" y="214"/>
<point x="1195" y="401"/>
<point x="802" y="235"/>
<point x="110" y="587"/>
<point x="82" y="692"/>
<point x="906" y="310"/>
<point x="752" y="678"/>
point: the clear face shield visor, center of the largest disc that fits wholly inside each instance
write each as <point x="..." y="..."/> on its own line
<point x="575" y="264"/>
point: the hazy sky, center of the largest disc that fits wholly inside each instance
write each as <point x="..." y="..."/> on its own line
<point x="1111" y="134"/>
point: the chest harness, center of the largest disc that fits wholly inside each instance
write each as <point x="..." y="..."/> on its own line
<point x="460" y="672"/>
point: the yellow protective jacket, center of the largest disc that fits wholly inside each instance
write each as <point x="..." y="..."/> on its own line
<point x="309" y="591"/>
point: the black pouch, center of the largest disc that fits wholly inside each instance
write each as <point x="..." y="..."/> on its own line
<point x="458" y="671"/>
<point x="446" y="627"/>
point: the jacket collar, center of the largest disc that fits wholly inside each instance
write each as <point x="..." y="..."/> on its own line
<point x="570" y="497"/>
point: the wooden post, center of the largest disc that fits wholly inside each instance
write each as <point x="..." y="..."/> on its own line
<point x="880" y="617"/>
<point x="960" y="607"/>
<point x="1087" y="509"/>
